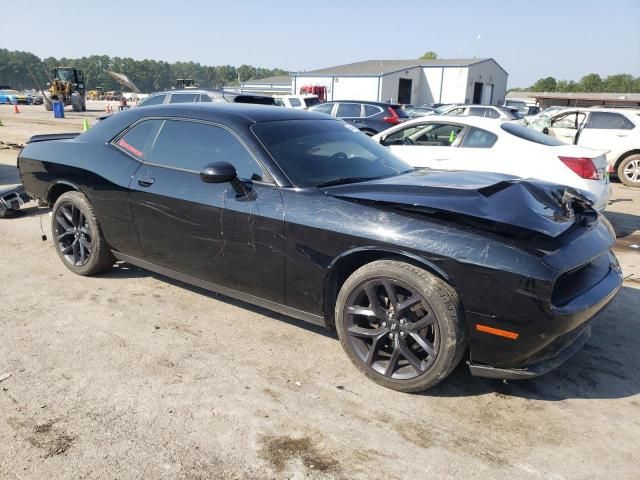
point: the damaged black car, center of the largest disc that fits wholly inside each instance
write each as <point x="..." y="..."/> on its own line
<point x="300" y="213"/>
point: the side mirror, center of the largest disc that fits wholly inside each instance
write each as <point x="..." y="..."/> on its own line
<point x="545" y="130"/>
<point x="218" y="172"/>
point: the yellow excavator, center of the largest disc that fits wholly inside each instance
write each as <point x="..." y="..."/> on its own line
<point x="66" y="84"/>
<point x="96" y="94"/>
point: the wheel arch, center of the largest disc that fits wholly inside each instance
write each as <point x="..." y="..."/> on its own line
<point x="59" y="187"/>
<point x="635" y="151"/>
<point x="348" y="262"/>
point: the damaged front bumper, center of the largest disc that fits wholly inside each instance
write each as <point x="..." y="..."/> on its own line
<point x="11" y="200"/>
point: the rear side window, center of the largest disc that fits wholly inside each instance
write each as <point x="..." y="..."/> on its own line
<point x="295" y="102"/>
<point x="205" y="98"/>
<point x="370" y="110"/>
<point x="138" y="139"/>
<point x="478" y="138"/>
<point x="530" y="135"/>
<point x="155" y="100"/>
<point x="609" y="120"/>
<point x="348" y="110"/>
<point x="191" y="146"/>
<point x="183" y="97"/>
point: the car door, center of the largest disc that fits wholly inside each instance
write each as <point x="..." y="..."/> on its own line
<point x="565" y="126"/>
<point x="605" y="130"/>
<point x="474" y="151"/>
<point x="229" y="234"/>
<point x="427" y="144"/>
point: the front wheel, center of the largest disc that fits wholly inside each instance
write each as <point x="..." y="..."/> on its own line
<point x="400" y="325"/>
<point x="78" y="237"/>
<point x="629" y="171"/>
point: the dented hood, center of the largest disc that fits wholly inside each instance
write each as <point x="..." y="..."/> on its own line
<point x="533" y="205"/>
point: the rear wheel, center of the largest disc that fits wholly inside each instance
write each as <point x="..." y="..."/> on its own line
<point x="400" y="325"/>
<point x="629" y="171"/>
<point x="78" y="237"/>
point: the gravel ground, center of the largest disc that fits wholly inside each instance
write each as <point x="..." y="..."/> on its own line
<point x="131" y="375"/>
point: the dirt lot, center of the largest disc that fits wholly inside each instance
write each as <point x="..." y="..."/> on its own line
<point x="132" y="375"/>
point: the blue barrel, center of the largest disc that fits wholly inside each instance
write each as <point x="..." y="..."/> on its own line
<point x="58" y="109"/>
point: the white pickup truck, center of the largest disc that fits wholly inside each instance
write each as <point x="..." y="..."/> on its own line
<point x="615" y="130"/>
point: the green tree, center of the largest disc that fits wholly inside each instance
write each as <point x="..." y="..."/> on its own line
<point x="621" y="83"/>
<point x="544" y="85"/>
<point x="429" y="56"/>
<point x="590" y="83"/>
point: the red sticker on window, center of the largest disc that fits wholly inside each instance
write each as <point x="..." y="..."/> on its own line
<point x="129" y="148"/>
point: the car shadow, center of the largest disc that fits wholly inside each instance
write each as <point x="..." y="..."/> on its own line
<point x="607" y="367"/>
<point x="9" y="175"/>
<point x="624" y="224"/>
<point x="125" y="270"/>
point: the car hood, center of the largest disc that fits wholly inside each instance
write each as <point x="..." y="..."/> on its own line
<point x="500" y="200"/>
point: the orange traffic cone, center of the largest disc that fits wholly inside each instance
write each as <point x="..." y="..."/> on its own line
<point x="15" y="108"/>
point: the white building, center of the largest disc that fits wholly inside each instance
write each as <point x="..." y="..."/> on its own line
<point x="470" y="80"/>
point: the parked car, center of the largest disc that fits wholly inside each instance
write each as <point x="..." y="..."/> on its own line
<point x="487" y="111"/>
<point x="304" y="215"/>
<point x="297" y="101"/>
<point x="190" y="95"/>
<point x="36" y="96"/>
<point x="14" y="97"/>
<point x="417" y="112"/>
<point x="615" y="130"/>
<point x="482" y="144"/>
<point x="368" y="117"/>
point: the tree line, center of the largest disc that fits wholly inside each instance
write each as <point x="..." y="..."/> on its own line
<point x="148" y="75"/>
<point x="593" y="83"/>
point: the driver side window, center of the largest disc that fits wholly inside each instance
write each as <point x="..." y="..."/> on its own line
<point x="570" y="120"/>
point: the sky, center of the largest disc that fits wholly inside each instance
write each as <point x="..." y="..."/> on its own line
<point x="530" y="39"/>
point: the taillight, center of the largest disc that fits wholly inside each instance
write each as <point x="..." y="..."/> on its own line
<point x="583" y="167"/>
<point x="394" y="119"/>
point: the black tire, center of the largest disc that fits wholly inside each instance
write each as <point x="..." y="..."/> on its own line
<point x="436" y="319"/>
<point x="629" y="171"/>
<point x="78" y="237"/>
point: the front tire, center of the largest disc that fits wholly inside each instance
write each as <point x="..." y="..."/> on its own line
<point x="78" y="237"/>
<point x="400" y="325"/>
<point x="629" y="171"/>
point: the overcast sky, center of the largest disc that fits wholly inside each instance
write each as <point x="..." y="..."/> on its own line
<point x="565" y="39"/>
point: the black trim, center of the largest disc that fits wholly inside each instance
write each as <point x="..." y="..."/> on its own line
<point x="52" y="136"/>
<point x="245" y="297"/>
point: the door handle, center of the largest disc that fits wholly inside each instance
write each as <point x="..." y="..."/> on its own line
<point x="622" y="135"/>
<point x="146" y="181"/>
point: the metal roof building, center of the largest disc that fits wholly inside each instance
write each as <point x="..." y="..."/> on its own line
<point x="579" y="99"/>
<point x="457" y="80"/>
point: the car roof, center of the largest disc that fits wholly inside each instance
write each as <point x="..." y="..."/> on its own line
<point x="634" y="111"/>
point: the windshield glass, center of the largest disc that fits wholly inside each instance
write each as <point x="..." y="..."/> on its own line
<point x="530" y="135"/>
<point x="316" y="152"/>
<point x="442" y="109"/>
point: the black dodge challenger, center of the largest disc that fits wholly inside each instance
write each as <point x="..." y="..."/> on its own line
<point x="299" y="213"/>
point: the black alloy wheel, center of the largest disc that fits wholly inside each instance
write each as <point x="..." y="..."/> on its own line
<point x="392" y="328"/>
<point x="78" y="237"/>
<point x="73" y="234"/>
<point x="400" y="325"/>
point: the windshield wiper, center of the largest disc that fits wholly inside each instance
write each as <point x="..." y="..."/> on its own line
<point x="342" y="181"/>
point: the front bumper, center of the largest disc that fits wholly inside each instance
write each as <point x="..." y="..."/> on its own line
<point x="568" y="328"/>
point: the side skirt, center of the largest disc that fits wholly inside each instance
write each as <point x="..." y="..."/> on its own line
<point x="244" y="297"/>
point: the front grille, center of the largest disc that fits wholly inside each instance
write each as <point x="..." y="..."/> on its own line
<point x="574" y="283"/>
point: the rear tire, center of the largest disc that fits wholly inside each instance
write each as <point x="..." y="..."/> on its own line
<point x="417" y="333"/>
<point x="78" y="237"/>
<point x="629" y="171"/>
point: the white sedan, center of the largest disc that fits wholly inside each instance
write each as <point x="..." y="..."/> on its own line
<point x="482" y="144"/>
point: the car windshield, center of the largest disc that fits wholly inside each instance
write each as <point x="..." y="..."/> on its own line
<point x="321" y="152"/>
<point x="530" y="135"/>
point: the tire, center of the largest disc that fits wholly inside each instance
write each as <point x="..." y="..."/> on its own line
<point x="629" y="171"/>
<point x="78" y="237"/>
<point x="441" y="329"/>
<point x="76" y="102"/>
